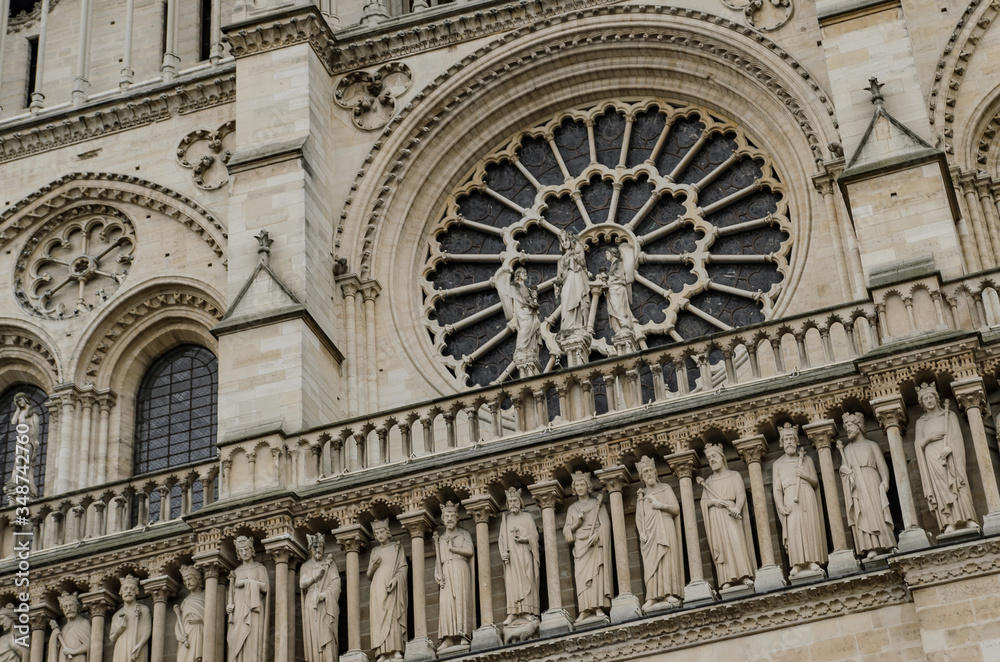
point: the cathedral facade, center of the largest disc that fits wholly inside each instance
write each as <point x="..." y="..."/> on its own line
<point x="499" y="330"/>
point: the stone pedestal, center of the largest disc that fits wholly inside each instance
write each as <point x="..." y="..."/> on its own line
<point x="807" y="577"/>
<point x="698" y="593"/>
<point x="625" y="607"/>
<point x="739" y="590"/>
<point x="959" y="534"/>
<point x="417" y="650"/>
<point x="843" y="562"/>
<point x="485" y="637"/>
<point x="599" y="619"/>
<point x="911" y="540"/>
<point x="769" y="578"/>
<point x="555" y="622"/>
<point x="991" y="524"/>
<point x="356" y="656"/>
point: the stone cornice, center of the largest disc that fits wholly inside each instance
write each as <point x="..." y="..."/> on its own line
<point x="135" y="108"/>
<point x="280" y="30"/>
<point x="938" y="566"/>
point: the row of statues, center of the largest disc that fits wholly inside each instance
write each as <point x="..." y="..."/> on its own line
<point x="588" y="533"/>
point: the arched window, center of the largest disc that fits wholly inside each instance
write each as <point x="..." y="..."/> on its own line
<point x="176" y="410"/>
<point x="8" y="433"/>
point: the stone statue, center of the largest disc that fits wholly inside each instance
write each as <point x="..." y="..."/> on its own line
<point x="131" y="626"/>
<point x="25" y="415"/>
<point x="319" y="583"/>
<point x="520" y="303"/>
<point x="518" y="543"/>
<point x="573" y="285"/>
<point x="657" y="517"/>
<point x="387" y="595"/>
<point x="588" y="532"/>
<point x="247" y="606"/>
<point x="727" y="522"/>
<point x="619" y="286"/>
<point x="865" y="478"/>
<point x="190" y="626"/>
<point x="453" y="573"/>
<point x="793" y="484"/>
<point x="71" y="643"/>
<point x="941" y="459"/>
<point x="10" y="649"/>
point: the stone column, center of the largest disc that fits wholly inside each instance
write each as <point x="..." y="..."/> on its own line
<point x="698" y="590"/>
<point x="625" y="606"/>
<point x="555" y="620"/>
<point x="369" y="292"/>
<point x="417" y="523"/>
<point x="891" y="414"/>
<point x="38" y="96"/>
<point x="98" y="602"/>
<point x="161" y="588"/>
<point x="349" y="285"/>
<point x="769" y="576"/>
<point x="352" y="538"/>
<point x="842" y="559"/>
<point x="38" y="619"/>
<point x="487" y="635"/>
<point x="971" y="396"/>
<point x="105" y="401"/>
<point x="64" y="468"/>
<point x="286" y="553"/>
<point x="213" y="567"/>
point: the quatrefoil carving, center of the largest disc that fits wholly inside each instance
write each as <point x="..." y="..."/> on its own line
<point x="763" y="15"/>
<point x="206" y="154"/>
<point x="371" y="97"/>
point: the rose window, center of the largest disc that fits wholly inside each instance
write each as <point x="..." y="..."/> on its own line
<point x="75" y="262"/>
<point x="606" y="230"/>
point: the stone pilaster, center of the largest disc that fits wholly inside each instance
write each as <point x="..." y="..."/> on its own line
<point x="842" y="560"/>
<point x="555" y="620"/>
<point x="625" y="606"/>
<point x="487" y="635"/>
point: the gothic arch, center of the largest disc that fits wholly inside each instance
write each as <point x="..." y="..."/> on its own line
<point x="518" y="81"/>
<point x="90" y="187"/>
<point x="29" y="355"/>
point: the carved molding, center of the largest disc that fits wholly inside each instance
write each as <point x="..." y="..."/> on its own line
<point x="938" y="566"/>
<point x="371" y="97"/>
<point x="13" y="337"/>
<point x="303" y="26"/>
<point x="82" y="187"/>
<point x="33" y="137"/>
<point x="764" y="15"/>
<point x="364" y="54"/>
<point x="26" y="19"/>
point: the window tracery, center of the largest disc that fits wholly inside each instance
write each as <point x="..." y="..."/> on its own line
<point x="696" y="207"/>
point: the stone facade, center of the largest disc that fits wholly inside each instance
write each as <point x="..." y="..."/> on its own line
<point x="782" y="221"/>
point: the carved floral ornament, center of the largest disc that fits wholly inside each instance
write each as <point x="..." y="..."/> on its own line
<point x="763" y="15"/>
<point x="206" y="154"/>
<point x="75" y="262"/>
<point x="372" y="96"/>
<point x="676" y="202"/>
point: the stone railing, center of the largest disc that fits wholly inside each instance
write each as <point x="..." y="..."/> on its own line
<point x="788" y="346"/>
<point x="134" y="503"/>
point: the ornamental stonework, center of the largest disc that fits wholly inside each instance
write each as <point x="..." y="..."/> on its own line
<point x="75" y="262"/>
<point x="636" y="224"/>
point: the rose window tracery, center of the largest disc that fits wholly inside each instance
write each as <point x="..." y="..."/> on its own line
<point x="607" y="229"/>
<point x="75" y="262"/>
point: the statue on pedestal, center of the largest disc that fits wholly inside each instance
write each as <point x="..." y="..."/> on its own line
<point x="793" y="484"/>
<point x="518" y="543"/>
<point x="865" y="477"/>
<point x="573" y="285"/>
<point x="30" y="421"/>
<point x="247" y="607"/>
<point x="190" y="625"/>
<point x="71" y="643"/>
<point x="10" y="649"/>
<point x="387" y="595"/>
<point x="319" y="583"/>
<point x="588" y="532"/>
<point x="657" y="517"/>
<point x="727" y="521"/>
<point x="131" y="626"/>
<point x="520" y="304"/>
<point x="941" y="459"/>
<point x="618" y="282"/>
<point x="453" y="573"/>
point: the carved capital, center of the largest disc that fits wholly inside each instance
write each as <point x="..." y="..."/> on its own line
<point x="352" y="537"/>
<point x="971" y="392"/>
<point x="39" y="617"/>
<point x="751" y="449"/>
<point x="482" y="508"/>
<point x="684" y="464"/>
<point x="890" y="411"/>
<point x="370" y="290"/>
<point x="416" y="522"/>
<point x="614" y="479"/>
<point x="161" y="588"/>
<point x="99" y="601"/>
<point x="821" y="433"/>
<point x="548" y="494"/>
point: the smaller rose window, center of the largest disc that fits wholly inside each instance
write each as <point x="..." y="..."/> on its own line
<point x="75" y="262"/>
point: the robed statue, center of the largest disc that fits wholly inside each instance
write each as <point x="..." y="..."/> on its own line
<point x="865" y="478"/>
<point x="588" y="532"/>
<point x="319" y="583"/>
<point x="247" y="606"/>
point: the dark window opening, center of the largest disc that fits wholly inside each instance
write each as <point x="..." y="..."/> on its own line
<point x="206" y="29"/>
<point x="177" y="410"/>
<point x="32" y="68"/>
